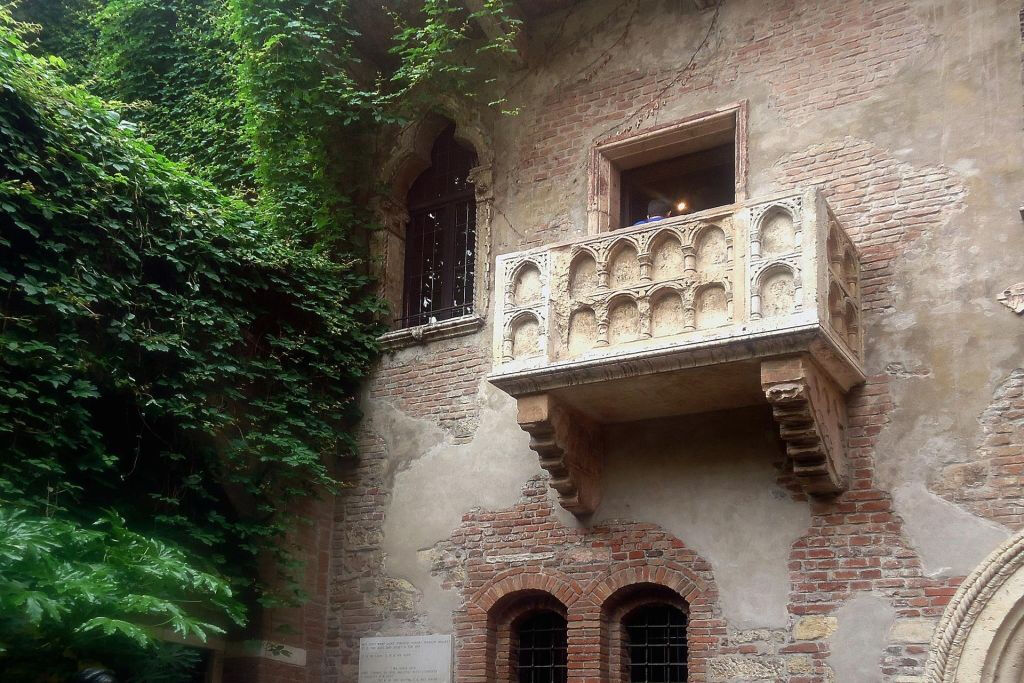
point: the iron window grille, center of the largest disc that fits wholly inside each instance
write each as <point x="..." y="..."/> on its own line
<point x="656" y="641"/>
<point x="541" y="649"/>
<point x="440" y="243"/>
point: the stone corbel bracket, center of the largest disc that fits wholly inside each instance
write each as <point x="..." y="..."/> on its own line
<point x="810" y="410"/>
<point x="570" y="449"/>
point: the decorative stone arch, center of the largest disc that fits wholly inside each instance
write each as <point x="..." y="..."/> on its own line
<point x="485" y="629"/>
<point x="581" y="284"/>
<point x="656" y="237"/>
<point x="980" y="638"/>
<point x="408" y="157"/>
<point x="766" y="271"/>
<point x="759" y="240"/>
<point x="510" y="350"/>
<point x="513" y="279"/>
<point x="726" y="312"/>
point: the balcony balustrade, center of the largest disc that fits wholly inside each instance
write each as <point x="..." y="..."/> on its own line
<point x="751" y="303"/>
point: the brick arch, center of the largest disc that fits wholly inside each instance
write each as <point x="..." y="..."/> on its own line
<point x="512" y="581"/>
<point x="484" y="629"/>
<point x="612" y="597"/>
<point x="672" y="576"/>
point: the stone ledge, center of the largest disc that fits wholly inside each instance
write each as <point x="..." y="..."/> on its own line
<point x="422" y="334"/>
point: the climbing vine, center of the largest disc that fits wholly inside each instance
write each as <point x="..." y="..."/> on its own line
<point x="182" y="341"/>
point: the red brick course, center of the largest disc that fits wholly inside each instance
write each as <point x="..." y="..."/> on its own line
<point x="883" y="204"/>
<point x="517" y="553"/>
<point x="303" y="627"/>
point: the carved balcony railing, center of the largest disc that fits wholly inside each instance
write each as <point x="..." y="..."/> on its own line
<point x="726" y="308"/>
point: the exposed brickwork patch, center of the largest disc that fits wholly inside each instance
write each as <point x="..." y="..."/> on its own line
<point x="856" y="544"/>
<point x="817" y="56"/>
<point x="991" y="482"/>
<point x="883" y="203"/>
<point x="440" y="384"/>
<point x="813" y="56"/>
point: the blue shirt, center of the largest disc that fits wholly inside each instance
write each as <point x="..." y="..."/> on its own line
<point x="649" y="219"/>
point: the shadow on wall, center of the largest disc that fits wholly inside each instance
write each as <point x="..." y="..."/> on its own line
<point x="711" y="480"/>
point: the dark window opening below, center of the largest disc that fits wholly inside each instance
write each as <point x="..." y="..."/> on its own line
<point x="541" y="649"/>
<point x="689" y="183"/>
<point x="656" y="640"/>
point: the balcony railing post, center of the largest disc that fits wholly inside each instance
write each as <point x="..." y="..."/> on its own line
<point x="646" y="266"/>
<point x="689" y="260"/>
<point x="601" y="313"/>
<point x="643" y="306"/>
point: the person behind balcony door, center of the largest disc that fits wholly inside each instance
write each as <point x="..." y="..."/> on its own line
<point x="657" y="209"/>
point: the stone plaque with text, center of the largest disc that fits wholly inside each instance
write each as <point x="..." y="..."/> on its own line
<point x="405" y="659"/>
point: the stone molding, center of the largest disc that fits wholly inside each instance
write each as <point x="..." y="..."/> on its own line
<point x="570" y="449"/>
<point x="961" y="614"/>
<point x="811" y="413"/>
<point x="422" y="334"/>
<point x="408" y="155"/>
<point x="670" y="357"/>
<point x="1013" y="297"/>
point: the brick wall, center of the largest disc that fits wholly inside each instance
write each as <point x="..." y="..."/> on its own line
<point x="884" y="204"/>
<point x="440" y="385"/>
<point x="813" y="57"/>
<point x="301" y="628"/>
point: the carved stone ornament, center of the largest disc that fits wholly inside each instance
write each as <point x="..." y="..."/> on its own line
<point x="570" y="449"/>
<point x="811" y="413"/>
<point x="981" y="633"/>
<point x="1013" y="297"/>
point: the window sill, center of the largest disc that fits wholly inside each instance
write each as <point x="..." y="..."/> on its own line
<point x="421" y="334"/>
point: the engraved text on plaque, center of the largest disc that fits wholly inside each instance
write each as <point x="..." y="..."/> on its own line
<point x="405" y="659"/>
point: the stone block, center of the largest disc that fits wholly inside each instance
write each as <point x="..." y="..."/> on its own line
<point x="745" y="668"/>
<point x="814" y="627"/>
<point x="912" y="631"/>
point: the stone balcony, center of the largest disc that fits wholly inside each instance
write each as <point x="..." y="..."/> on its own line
<point x="752" y="303"/>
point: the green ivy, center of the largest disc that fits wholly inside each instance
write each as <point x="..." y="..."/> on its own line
<point x="182" y="342"/>
<point x="165" y="360"/>
<point x="311" y="114"/>
<point x="176" y="62"/>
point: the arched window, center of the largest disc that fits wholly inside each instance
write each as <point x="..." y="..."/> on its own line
<point x="539" y="648"/>
<point x="656" y="644"/>
<point x="440" y="242"/>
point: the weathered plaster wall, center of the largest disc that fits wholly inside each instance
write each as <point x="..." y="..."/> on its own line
<point x="712" y="481"/>
<point x="438" y="481"/>
<point x="863" y="625"/>
<point x="909" y="114"/>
